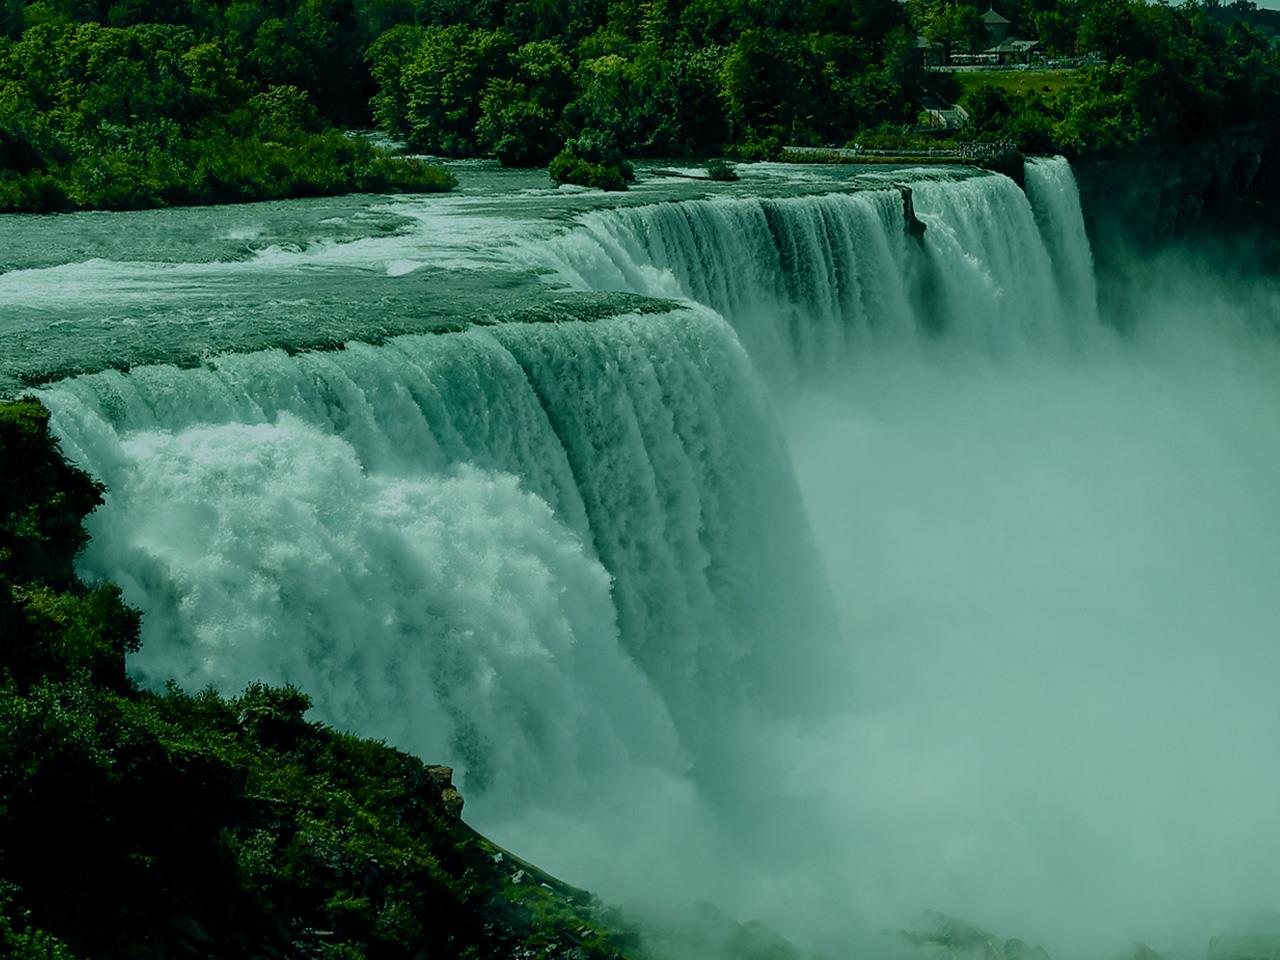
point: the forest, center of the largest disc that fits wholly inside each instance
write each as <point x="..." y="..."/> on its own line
<point x="140" y="103"/>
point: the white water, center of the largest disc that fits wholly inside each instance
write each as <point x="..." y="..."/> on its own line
<point x="573" y="560"/>
<point x="415" y="535"/>
<point x="1055" y="200"/>
<point x="811" y="282"/>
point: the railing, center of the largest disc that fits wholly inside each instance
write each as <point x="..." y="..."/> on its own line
<point x="1036" y="63"/>
<point x="968" y="150"/>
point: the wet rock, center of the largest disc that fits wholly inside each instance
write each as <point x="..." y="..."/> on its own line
<point x="914" y="225"/>
<point x="442" y="777"/>
<point x="708" y="933"/>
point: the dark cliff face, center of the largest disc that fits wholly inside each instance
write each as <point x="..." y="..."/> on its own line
<point x="1218" y="196"/>
<point x="1143" y="197"/>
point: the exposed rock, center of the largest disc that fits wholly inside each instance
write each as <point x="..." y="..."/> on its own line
<point x="1139" y="951"/>
<point x="442" y="777"/>
<point x="708" y="933"/>
<point x="915" y="226"/>
<point x="1144" y="194"/>
<point x="939" y="929"/>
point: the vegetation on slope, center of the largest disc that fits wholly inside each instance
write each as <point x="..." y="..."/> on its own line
<point x="135" y="824"/>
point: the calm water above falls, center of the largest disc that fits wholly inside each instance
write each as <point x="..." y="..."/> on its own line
<point x="850" y="576"/>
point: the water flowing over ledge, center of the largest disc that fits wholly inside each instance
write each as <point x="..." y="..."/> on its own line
<point x="726" y="589"/>
<point x="578" y="544"/>
<point x="810" y="281"/>
<point x="419" y="534"/>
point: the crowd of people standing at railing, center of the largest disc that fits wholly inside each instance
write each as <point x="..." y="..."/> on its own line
<point x="967" y="150"/>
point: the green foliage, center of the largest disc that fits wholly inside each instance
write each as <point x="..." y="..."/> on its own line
<point x="957" y="26"/>
<point x="117" y="117"/>
<point x="446" y="77"/>
<point x="42" y="501"/>
<point x="721" y="170"/>
<point x="662" y="78"/>
<point x="1169" y="75"/>
<point x="765" y="81"/>
<point x="592" y="160"/>
<point x="521" y="118"/>
<point x="126" y="103"/>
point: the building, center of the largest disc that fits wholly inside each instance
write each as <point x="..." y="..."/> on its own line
<point x="1013" y="51"/>
<point x="998" y="28"/>
<point x="931" y="54"/>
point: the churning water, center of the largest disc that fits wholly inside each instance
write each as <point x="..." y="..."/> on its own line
<point x="860" y="574"/>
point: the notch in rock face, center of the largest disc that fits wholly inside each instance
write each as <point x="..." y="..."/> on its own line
<point x="442" y="779"/>
<point x="915" y="227"/>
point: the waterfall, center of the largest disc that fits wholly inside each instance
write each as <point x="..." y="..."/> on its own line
<point x="575" y="542"/>
<point x="554" y="554"/>
<point x="802" y="279"/>
<point x="1051" y="186"/>
<point x="578" y="541"/>
<point x="809" y="282"/>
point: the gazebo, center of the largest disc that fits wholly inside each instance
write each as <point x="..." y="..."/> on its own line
<point x="998" y="28"/>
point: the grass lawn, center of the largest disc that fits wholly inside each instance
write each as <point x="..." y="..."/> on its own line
<point x="1044" y="82"/>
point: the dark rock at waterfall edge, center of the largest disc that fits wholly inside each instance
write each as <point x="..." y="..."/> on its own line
<point x="1140" y="197"/>
<point x="136" y="824"/>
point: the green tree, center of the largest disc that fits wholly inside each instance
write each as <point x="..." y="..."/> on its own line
<point x="957" y="26"/>
<point x="446" y="80"/>
<point x="763" y="82"/>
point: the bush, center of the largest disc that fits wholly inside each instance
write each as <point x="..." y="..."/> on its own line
<point x="721" y="170"/>
<point x="592" y="160"/>
<point x="383" y="174"/>
<point x="753" y="150"/>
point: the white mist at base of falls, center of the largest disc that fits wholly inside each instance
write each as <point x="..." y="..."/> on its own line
<point x="939" y="595"/>
<point x="1059" y="578"/>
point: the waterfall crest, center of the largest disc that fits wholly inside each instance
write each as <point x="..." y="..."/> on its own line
<point x="1051" y="187"/>
<point x="809" y="282"/>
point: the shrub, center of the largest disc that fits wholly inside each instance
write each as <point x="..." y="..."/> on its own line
<point x="721" y="170"/>
<point x="592" y="160"/>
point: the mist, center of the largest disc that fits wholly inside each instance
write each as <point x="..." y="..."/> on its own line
<point x="1056" y="575"/>
<point x="1060" y="575"/>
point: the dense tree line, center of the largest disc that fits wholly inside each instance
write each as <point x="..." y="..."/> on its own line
<point x="135" y="824"/>
<point x="651" y="78"/>
<point x="97" y="111"/>
<point x="1166" y="75"/>
<point x="110" y="103"/>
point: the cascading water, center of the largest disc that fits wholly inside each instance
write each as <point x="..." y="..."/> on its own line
<point x="415" y="534"/>
<point x="810" y="281"/>
<point x="574" y="559"/>
<point x="1056" y="202"/>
